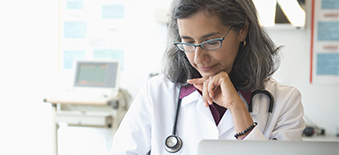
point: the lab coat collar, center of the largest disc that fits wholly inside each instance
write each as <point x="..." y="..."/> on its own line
<point x="189" y="94"/>
<point x="191" y="98"/>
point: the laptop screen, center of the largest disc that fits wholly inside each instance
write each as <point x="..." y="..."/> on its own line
<point x="96" y="74"/>
<point x="276" y="147"/>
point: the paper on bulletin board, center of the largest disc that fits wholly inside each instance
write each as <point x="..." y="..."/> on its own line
<point x="325" y="42"/>
<point x="90" y="30"/>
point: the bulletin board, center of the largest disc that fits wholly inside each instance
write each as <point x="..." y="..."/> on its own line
<point x="90" y="29"/>
<point x="325" y="42"/>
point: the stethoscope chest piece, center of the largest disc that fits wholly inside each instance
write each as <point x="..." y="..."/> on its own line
<point x="173" y="144"/>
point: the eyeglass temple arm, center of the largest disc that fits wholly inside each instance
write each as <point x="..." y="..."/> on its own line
<point x="227" y="33"/>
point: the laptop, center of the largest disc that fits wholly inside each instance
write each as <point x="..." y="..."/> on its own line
<point x="247" y="147"/>
<point x="95" y="82"/>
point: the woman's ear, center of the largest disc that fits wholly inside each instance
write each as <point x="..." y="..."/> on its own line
<point x="244" y="31"/>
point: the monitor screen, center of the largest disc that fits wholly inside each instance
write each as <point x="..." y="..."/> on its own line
<point x="96" y="74"/>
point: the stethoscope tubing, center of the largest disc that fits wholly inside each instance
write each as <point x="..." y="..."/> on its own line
<point x="270" y="106"/>
<point x="170" y="147"/>
<point x="177" y="114"/>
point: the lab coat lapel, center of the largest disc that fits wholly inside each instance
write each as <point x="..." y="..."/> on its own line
<point x="195" y="97"/>
<point x="205" y="110"/>
<point x="226" y="123"/>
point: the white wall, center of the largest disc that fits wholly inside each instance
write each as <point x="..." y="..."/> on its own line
<point x="28" y="65"/>
<point x="145" y="43"/>
<point x="28" y="52"/>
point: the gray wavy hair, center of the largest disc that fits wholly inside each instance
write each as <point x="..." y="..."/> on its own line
<point x="254" y="63"/>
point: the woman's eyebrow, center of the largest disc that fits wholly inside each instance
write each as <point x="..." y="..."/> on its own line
<point x="209" y="35"/>
<point x="185" y="37"/>
<point x="203" y="37"/>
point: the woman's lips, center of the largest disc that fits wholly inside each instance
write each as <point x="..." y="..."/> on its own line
<point x="206" y="68"/>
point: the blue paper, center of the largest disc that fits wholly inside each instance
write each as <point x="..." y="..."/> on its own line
<point x="113" y="11"/>
<point x="329" y="4"/>
<point x="327" y="64"/>
<point x="328" y="31"/>
<point x="75" y="5"/>
<point x="74" y="29"/>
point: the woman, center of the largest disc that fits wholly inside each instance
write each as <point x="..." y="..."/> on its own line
<point x="217" y="55"/>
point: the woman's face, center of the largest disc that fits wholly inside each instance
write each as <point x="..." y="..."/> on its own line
<point x="201" y="27"/>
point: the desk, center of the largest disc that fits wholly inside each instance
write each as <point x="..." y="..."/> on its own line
<point x="322" y="138"/>
<point x="88" y="114"/>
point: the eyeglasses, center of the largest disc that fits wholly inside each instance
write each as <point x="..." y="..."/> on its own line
<point x="212" y="44"/>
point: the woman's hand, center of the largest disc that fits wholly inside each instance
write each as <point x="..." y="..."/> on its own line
<point x="218" y="89"/>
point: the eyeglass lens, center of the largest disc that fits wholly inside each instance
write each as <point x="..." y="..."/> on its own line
<point x="209" y="45"/>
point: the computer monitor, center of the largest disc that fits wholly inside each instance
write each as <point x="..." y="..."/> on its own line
<point x="97" y="73"/>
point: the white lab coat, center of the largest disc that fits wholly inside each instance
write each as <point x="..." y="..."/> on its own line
<point x="151" y="116"/>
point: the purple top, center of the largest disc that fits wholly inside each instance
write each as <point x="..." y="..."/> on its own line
<point x="216" y="110"/>
<point x="186" y="90"/>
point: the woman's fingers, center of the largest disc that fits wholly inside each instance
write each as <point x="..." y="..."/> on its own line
<point x="206" y="94"/>
<point x="198" y="83"/>
<point x="211" y="86"/>
<point x="217" y="88"/>
<point x="206" y="87"/>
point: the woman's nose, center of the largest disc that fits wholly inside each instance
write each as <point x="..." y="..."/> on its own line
<point x="200" y="55"/>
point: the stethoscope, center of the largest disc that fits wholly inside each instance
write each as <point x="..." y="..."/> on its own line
<point x="173" y="143"/>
